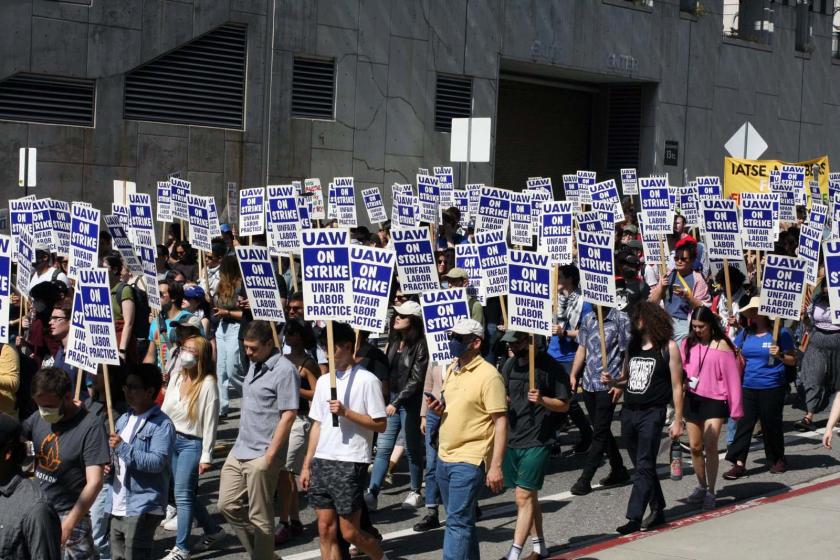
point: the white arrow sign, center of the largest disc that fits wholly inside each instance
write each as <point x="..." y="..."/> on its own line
<point x="747" y="143"/>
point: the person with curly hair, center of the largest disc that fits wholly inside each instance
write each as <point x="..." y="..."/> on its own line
<point x="651" y="378"/>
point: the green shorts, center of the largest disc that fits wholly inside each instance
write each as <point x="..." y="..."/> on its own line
<point x="525" y="468"/>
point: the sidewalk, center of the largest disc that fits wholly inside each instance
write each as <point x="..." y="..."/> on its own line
<point x="795" y="524"/>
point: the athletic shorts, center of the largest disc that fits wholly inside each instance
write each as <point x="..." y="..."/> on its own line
<point x="525" y="468"/>
<point x="337" y="485"/>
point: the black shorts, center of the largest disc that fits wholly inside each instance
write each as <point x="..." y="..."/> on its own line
<point x="697" y="408"/>
<point x="337" y="485"/>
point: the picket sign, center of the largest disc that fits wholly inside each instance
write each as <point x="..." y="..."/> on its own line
<point x="84" y="239"/>
<point x="597" y="276"/>
<point x="442" y="309"/>
<point x="6" y="243"/>
<point x="252" y="211"/>
<point x="371" y="273"/>
<point x="374" y="205"/>
<point x="493" y="209"/>
<point x="416" y="268"/>
<point x="831" y="256"/>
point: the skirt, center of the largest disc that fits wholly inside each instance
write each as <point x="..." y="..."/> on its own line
<point x="697" y="408"/>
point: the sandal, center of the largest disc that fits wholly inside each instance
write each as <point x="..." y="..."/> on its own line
<point x="804" y="425"/>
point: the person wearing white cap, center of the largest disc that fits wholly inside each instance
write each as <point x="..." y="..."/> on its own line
<point x="473" y="434"/>
<point x="408" y="358"/>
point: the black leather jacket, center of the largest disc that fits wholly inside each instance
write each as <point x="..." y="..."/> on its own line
<point x="408" y="371"/>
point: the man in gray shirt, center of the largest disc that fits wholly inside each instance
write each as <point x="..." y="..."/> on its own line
<point x="270" y="395"/>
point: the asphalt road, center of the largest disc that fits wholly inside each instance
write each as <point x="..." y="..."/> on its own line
<point x="570" y="521"/>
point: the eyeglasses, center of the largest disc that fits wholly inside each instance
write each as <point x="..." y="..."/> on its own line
<point x="400" y="297"/>
<point x="56" y="318"/>
<point x="295" y="308"/>
<point x="441" y="261"/>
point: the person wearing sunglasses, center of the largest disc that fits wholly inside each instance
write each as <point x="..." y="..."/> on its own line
<point x="683" y="289"/>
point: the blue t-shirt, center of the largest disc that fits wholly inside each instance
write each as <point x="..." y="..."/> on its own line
<point x="564" y="349"/>
<point x="756" y="351"/>
<point x="153" y="329"/>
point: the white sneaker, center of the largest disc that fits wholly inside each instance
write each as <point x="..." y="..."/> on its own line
<point x="412" y="501"/>
<point x="697" y="496"/>
<point x="177" y="554"/>
<point x="171" y="512"/>
<point x="709" y="501"/>
<point x="371" y="501"/>
<point x="209" y="541"/>
<point x="172" y="524"/>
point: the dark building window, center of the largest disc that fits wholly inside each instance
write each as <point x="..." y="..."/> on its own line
<point x="749" y="20"/>
<point x="200" y="83"/>
<point x="313" y="88"/>
<point x="453" y="99"/>
<point x="624" y="124"/>
<point x="47" y="99"/>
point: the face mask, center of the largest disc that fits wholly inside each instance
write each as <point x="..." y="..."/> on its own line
<point x="188" y="360"/>
<point x="457" y="348"/>
<point x="51" y="415"/>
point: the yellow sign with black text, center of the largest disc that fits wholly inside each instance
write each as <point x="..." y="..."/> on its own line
<point x="753" y="175"/>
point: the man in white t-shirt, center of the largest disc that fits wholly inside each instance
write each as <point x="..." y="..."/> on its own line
<point x="44" y="269"/>
<point x="335" y="467"/>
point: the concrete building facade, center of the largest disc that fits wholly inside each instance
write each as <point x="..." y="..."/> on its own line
<point x="570" y="84"/>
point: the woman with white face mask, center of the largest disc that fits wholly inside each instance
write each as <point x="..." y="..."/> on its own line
<point x="192" y="402"/>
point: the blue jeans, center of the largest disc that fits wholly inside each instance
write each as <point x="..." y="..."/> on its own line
<point x="227" y="352"/>
<point x="432" y="490"/>
<point x="101" y="526"/>
<point x="731" y="428"/>
<point x="459" y="485"/>
<point x="407" y="417"/>
<point x="185" y="482"/>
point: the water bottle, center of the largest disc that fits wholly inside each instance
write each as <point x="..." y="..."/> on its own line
<point x="676" y="460"/>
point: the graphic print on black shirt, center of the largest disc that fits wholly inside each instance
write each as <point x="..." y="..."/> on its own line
<point x="641" y="372"/>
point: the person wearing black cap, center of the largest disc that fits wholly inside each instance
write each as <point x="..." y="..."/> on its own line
<point x="43" y="269"/>
<point x="37" y="342"/>
<point x="630" y="288"/>
<point x="629" y="233"/>
<point x="30" y="526"/>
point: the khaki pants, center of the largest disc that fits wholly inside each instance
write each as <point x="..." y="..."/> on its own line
<point x="246" y="499"/>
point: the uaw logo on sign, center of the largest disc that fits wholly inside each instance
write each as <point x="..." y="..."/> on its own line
<point x="441" y="310"/>
<point x="782" y="284"/>
<point x="530" y="293"/>
<point x="597" y="270"/>
<point x="325" y="261"/>
<point x="556" y="231"/>
<point x="492" y="255"/>
<point x="656" y="204"/>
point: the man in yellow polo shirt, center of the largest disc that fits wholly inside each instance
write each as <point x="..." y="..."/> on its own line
<point x="473" y="432"/>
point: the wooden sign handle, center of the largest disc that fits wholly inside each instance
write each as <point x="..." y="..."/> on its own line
<point x="601" y="337"/>
<point x="79" y="377"/>
<point x="331" y="361"/>
<point x="532" y="384"/>
<point x="108" y="404"/>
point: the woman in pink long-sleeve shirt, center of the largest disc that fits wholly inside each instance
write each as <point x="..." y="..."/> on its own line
<point x="713" y="393"/>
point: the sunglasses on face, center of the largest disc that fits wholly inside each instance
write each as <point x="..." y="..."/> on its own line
<point x="463" y="338"/>
<point x="400" y="298"/>
<point x="56" y="318"/>
<point x="681" y="259"/>
<point x="402" y="316"/>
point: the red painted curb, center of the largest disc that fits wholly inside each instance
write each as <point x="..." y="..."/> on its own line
<point x="700" y="517"/>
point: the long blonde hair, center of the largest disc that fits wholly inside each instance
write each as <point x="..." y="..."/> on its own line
<point x="203" y="368"/>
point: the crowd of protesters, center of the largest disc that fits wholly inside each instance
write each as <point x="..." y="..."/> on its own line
<point x="680" y="359"/>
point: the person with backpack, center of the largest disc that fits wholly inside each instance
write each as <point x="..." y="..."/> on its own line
<point x="531" y="435"/>
<point x="124" y="306"/>
<point x="162" y="330"/>
<point x="44" y="268"/>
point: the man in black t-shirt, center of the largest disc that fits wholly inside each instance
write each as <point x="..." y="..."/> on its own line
<point x="531" y="421"/>
<point x="71" y="450"/>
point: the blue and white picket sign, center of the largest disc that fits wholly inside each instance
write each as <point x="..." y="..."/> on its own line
<point x="60" y="218"/>
<point x="282" y="221"/>
<point x="416" y="269"/>
<point x="140" y="211"/>
<point x="304" y="209"/>
<point x="782" y="287"/>
<point x="20" y="217"/>
<point x="809" y="250"/>
<point x="817" y="215"/>
<point x="25" y="255"/>
<point x="76" y="353"/>
<point x="147" y="253"/>
<point x="371" y="271"/>
<point x="814" y="192"/>
<point x="461" y="200"/>
<point x="5" y="285"/>
<point x="629" y="182"/>
<point x="607" y="191"/>
<point x="709" y="187"/>
<point x="42" y="230"/>
<point x="656" y="202"/>
<point x="404" y="211"/>
<point x="325" y="264"/>
<point x="608" y="213"/>
<point x="213" y="218"/>
<point x="261" y="283"/>
<point x="591" y="221"/>
<point x="835" y="216"/>
<point x="374" y="205"/>
<point x="651" y="244"/>
<point x="597" y="269"/>
<point x="423" y="171"/>
<point x="759" y="220"/>
<point x="831" y="255"/>
<point x="199" y="217"/>
<point x="252" y="211"/>
<point x="312" y="188"/>
<point x="401" y="188"/>
<point x="442" y="309"/>
<point x="164" y="202"/>
<point x="521" y="230"/>
<point x="120" y="241"/>
<point x="793" y="176"/>
<point x="585" y="181"/>
<point x="466" y="257"/>
<point x="98" y="316"/>
<point x="556" y="235"/>
<point x="492" y="256"/>
<point x="474" y="192"/>
<point x="84" y="239"/>
<point x="539" y="196"/>
<point x="833" y="184"/>
<point x="179" y="191"/>
<point x="721" y="225"/>
<point x="493" y="209"/>
<point x="688" y="200"/>
<point x="787" y="197"/>
<point x="540" y="183"/>
<point x="428" y="193"/>
<point x="530" y="292"/>
<point x="571" y="190"/>
<point x="444" y="176"/>
<point x="344" y="200"/>
<point x="332" y="209"/>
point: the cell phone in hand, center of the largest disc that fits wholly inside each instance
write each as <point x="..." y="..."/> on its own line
<point x="430" y="395"/>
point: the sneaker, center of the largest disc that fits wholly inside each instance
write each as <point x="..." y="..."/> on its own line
<point x="697" y="496"/>
<point x="615" y="477"/>
<point x="371" y="501"/>
<point x="582" y="446"/>
<point x="429" y="522"/>
<point x="778" y="467"/>
<point x="737" y="471"/>
<point x="177" y="554"/>
<point x="389" y="479"/>
<point x="172" y="524"/>
<point x="282" y="535"/>
<point x="709" y="501"/>
<point x="477" y="512"/>
<point x="581" y="488"/>
<point x="209" y="541"/>
<point x="652" y="521"/>
<point x="630" y="527"/>
<point x="171" y="512"/>
<point x="412" y="501"/>
<point x="296" y="527"/>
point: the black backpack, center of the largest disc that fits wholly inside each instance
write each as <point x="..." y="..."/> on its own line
<point x="141" y="309"/>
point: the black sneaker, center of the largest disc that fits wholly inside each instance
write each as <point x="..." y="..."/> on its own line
<point x="630" y="527"/>
<point x="477" y="512"/>
<point x="581" y="488"/>
<point x="615" y="478"/>
<point x="652" y="521"/>
<point x="582" y="446"/>
<point x="427" y="523"/>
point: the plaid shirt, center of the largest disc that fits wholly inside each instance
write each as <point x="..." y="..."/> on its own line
<point x="617" y="333"/>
